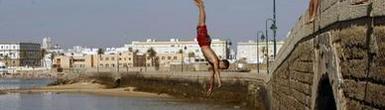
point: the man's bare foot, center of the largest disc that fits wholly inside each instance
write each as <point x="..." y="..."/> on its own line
<point x="198" y="2"/>
<point x="209" y="91"/>
<point x="311" y="20"/>
<point x="219" y="84"/>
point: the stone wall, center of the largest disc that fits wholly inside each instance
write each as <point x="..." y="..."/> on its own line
<point x="335" y="62"/>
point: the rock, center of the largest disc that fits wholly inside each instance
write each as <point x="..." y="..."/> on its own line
<point x="2" y="92"/>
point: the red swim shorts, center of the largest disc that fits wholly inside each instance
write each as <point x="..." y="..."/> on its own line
<point x="202" y="36"/>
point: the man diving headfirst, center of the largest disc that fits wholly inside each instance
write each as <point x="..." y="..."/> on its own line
<point x="204" y="42"/>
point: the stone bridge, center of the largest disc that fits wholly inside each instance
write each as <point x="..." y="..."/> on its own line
<point x="336" y="62"/>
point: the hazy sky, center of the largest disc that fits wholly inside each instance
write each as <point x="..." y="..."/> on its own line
<point x="106" y="23"/>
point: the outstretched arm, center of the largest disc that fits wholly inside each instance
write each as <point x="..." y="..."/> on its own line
<point x="202" y="12"/>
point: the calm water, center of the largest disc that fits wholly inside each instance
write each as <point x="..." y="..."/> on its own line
<point x="20" y="83"/>
<point x="79" y="101"/>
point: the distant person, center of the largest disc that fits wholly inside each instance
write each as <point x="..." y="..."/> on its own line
<point x="204" y="42"/>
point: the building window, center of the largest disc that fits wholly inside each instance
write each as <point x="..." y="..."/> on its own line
<point x="113" y="65"/>
<point x="163" y="57"/>
<point x="169" y="58"/>
<point x="129" y="59"/>
<point x="107" y="65"/>
<point x="175" y="57"/>
<point x="107" y="58"/>
<point x="112" y="58"/>
<point x="120" y="58"/>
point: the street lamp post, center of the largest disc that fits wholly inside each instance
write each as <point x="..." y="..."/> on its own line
<point x="267" y="41"/>
<point x="262" y="36"/>
<point x="274" y="28"/>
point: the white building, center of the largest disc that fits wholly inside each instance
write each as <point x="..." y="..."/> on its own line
<point x="20" y="54"/>
<point x="80" y="51"/>
<point x="173" y="46"/>
<point x="249" y="52"/>
<point x="47" y="43"/>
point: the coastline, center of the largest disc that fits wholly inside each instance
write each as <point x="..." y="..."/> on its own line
<point x="89" y="88"/>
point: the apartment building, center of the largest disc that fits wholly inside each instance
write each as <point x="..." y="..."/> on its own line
<point x="176" y="46"/>
<point x="20" y="53"/>
<point x="256" y="52"/>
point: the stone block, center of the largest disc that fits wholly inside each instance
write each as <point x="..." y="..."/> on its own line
<point x="284" y="89"/>
<point x="376" y="94"/>
<point x="329" y="16"/>
<point x="302" y="77"/>
<point x="379" y="36"/>
<point x="354" y="89"/>
<point x="326" y="4"/>
<point x="301" y="87"/>
<point x="307" y="29"/>
<point x="352" y="52"/>
<point x="377" y="72"/>
<point x="377" y="69"/>
<point x="378" y="8"/>
<point x="283" y="82"/>
<point x="353" y="105"/>
<point x="297" y="105"/>
<point x="354" y="68"/>
<point x="301" y="67"/>
<point x="355" y="35"/>
<point x="348" y="11"/>
<point x="352" y="41"/>
<point x="301" y="97"/>
<point x="286" y="101"/>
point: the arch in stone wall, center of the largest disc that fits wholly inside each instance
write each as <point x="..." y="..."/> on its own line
<point x="325" y="96"/>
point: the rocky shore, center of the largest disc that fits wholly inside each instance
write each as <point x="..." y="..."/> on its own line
<point x="235" y="90"/>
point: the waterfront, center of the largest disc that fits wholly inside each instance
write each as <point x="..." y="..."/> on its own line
<point x="22" y="83"/>
<point x="84" y="101"/>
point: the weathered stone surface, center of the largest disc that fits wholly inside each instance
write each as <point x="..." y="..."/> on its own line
<point x="377" y="69"/>
<point x="352" y="41"/>
<point x="302" y="77"/>
<point x="301" y="87"/>
<point x="354" y="68"/>
<point x="302" y="67"/>
<point x="304" y="52"/>
<point x="378" y="8"/>
<point x="284" y="89"/>
<point x="353" y="105"/>
<point x="296" y="104"/>
<point x="307" y="29"/>
<point x="329" y="16"/>
<point x="376" y="94"/>
<point x="349" y="11"/>
<point x="301" y="97"/>
<point x="354" y="89"/>
<point x="352" y="53"/>
<point x="325" y="4"/>
<point x="283" y="82"/>
<point x="355" y="35"/>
